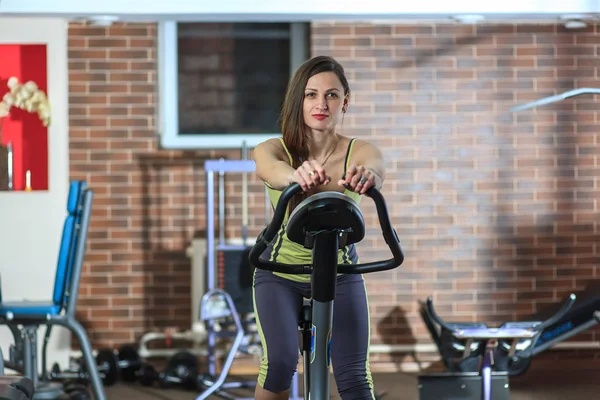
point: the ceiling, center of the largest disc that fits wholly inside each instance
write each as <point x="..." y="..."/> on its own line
<point x="462" y="11"/>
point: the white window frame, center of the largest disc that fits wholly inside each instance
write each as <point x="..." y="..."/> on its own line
<point x="169" y="97"/>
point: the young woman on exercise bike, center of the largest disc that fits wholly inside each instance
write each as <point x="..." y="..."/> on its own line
<point x="313" y="154"/>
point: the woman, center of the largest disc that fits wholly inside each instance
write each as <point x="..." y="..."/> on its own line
<point x="312" y="153"/>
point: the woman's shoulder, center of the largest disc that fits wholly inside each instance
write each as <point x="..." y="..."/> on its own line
<point x="359" y="142"/>
<point x="272" y="145"/>
<point x="276" y="142"/>
<point x="363" y="149"/>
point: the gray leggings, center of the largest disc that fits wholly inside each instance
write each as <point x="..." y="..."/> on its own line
<point x="278" y="302"/>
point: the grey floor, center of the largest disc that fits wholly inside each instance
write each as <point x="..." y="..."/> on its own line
<point x="541" y="384"/>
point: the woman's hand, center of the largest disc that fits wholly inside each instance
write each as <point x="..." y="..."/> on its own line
<point x="310" y="175"/>
<point x="358" y="179"/>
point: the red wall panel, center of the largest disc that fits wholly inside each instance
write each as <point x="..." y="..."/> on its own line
<point x="29" y="137"/>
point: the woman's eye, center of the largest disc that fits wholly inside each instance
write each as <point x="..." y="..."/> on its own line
<point x="310" y="94"/>
<point x="334" y="95"/>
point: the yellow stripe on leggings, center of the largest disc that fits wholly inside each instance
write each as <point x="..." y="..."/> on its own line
<point x="262" y="369"/>
<point x="367" y="362"/>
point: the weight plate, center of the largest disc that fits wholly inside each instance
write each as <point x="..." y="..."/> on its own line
<point x="183" y="358"/>
<point x="184" y="366"/>
<point x="74" y="386"/>
<point x="130" y="355"/>
<point x="111" y="372"/>
<point x="148" y="375"/>
<point x="79" y="395"/>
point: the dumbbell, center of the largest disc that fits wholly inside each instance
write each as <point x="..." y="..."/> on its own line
<point x="108" y="365"/>
<point x="77" y="376"/>
<point x="129" y="361"/>
<point x="181" y="371"/>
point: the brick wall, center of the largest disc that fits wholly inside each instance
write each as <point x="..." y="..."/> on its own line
<point x="497" y="212"/>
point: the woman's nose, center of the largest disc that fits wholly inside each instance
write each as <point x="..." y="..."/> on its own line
<point x="322" y="104"/>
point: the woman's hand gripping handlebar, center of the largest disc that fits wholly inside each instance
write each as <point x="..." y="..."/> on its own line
<point x="268" y="234"/>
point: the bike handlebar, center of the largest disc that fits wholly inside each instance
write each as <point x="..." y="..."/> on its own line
<point x="537" y="327"/>
<point x="268" y="234"/>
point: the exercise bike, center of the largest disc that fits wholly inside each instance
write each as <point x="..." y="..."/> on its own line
<point x="324" y="222"/>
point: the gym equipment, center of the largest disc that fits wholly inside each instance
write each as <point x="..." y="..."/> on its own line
<point x="217" y="304"/>
<point x="181" y="371"/>
<point x="555" y="98"/>
<point x="234" y="270"/>
<point x="584" y="314"/>
<point x="178" y="373"/>
<point x="210" y="383"/>
<point x="76" y="391"/>
<point x="108" y="364"/>
<point x="129" y="361"/>
<point x="16" y="388"/>
<point x="147" y="375"/>
<point x="236" y="281"/>
<point x="25" y="317"/>
<point x="78" y="376"/>
<point x="324" y="222"/>
<point x="511" y="341"/>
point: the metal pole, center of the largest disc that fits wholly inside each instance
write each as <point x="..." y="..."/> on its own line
<point x="556" y="98"/>
<point x="323" y="282"/>
<point x="210" y="263"/>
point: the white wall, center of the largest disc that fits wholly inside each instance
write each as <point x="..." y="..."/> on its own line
<point x="31" y="223"/>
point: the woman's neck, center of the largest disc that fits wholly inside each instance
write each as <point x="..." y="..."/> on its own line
<point x="322" y="145"/>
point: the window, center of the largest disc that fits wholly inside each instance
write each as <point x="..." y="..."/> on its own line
<point x="224" y="82"/>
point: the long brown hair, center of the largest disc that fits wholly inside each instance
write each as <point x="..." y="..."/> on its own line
<point x="293" y="128"/>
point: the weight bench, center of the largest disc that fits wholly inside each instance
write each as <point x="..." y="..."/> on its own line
<point x="24" y="318"/>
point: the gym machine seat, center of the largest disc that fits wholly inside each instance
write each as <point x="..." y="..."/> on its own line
<point x="25" y="317"/>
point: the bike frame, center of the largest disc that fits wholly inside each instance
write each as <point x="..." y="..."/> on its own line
<point x="323" y="283"/>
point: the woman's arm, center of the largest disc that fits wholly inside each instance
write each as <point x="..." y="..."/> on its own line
<point x="367" y="162"/>
<point x="272" y="165"/>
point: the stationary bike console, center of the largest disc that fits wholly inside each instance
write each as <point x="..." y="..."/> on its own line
<point x="324" y="222"/>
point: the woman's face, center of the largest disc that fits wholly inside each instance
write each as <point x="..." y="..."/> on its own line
<point x="323" y="101"/>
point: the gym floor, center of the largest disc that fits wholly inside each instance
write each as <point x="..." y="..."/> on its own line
<point x="536" y="384"/>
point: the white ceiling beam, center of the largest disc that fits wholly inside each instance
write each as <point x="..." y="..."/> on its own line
<point x="298" y="10"/>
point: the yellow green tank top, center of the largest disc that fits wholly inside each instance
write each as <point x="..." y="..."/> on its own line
<point x="285" y="251"/>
